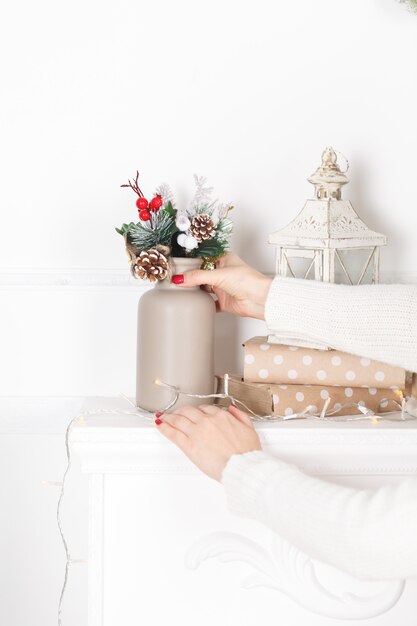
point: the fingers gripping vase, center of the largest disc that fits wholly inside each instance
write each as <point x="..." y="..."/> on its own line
<point x="175" y="342"/>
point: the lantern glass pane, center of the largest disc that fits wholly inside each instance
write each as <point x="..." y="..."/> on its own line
<point x="358" y="264"/>
<point x="301" y="267"/>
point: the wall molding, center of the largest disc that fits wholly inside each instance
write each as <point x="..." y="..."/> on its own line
<point x="68" y="278"/>
<point x="85" y="278"/>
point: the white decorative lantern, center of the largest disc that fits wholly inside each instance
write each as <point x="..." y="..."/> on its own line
<point x="326" y="231"/>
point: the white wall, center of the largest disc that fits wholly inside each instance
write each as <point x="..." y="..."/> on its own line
<point x="245" y="93"/>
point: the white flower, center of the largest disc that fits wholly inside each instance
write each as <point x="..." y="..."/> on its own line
<point x="182" y="222"/>
<point x="181" y="239"/>
<point x="190" y="243"/>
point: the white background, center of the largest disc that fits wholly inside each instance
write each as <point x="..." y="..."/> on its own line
<point x="246" y="93"/>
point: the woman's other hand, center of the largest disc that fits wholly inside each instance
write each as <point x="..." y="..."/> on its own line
<point x="239" y="288"/>
<point x="209" y="435"/>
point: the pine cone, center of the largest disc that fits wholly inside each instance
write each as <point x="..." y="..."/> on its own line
<point x="152" y="265"/>
<point x="202" y="227"/>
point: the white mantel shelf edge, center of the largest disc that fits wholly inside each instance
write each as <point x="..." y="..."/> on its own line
<point x="120" y="444"/>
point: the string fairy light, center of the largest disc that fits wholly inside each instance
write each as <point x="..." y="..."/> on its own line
<point x="80" y="420"/>
<point x="307" y="412"/>
<point x="406" y="406"/>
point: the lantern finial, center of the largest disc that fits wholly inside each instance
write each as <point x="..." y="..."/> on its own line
<point x="328" y="177"/>
<point x="329" y="159"/>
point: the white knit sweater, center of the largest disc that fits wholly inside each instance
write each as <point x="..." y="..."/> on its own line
<point x="369" y="533"/>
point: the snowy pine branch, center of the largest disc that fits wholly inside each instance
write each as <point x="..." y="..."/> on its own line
<point x="165" y="191"/>
<point x="412" y="4"/>
<point x="202" y="195"/>
<point x="146" y="235"/>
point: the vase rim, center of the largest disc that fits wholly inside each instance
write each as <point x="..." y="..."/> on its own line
<point x="179" y="265"/>
<point x="187" y="258"/>
<point x="186" y="261"/>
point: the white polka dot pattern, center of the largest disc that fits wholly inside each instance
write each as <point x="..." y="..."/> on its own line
<point x="263" y="374"/>
<point x="298" y="396"/>
<point x="330" y="367"/>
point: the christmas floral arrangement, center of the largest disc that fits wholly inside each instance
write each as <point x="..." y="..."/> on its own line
<point x="163" y="231"/>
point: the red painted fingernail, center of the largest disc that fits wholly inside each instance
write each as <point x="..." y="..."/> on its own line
<point x="158" y="414"/>
<point x="158" y="421"/>
<point x="178" y="279"/>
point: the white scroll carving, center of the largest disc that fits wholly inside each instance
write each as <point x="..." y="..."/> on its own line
<point x="286" y="569"/>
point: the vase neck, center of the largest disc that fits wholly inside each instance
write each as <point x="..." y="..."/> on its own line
<point x="179" y="266"/>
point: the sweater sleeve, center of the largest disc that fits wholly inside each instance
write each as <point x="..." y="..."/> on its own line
<point x="375" y="321"/>
<point x="368" y="533"/>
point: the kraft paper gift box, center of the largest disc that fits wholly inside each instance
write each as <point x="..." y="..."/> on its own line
<point x="276" y="363"/>
<point x="284" y="400"/>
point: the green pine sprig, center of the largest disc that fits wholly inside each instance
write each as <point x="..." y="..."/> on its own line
<point x="412" y="4"/>
<point x="224" y="229"/>
<point x="145" y="236"/>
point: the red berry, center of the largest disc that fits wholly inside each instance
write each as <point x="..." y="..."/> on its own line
<point x="144" y="215"/>
<point x="155" y="203"/>
<point x="142" y="203"/>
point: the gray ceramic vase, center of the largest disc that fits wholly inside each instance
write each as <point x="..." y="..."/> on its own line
<point x="175" y="342"/>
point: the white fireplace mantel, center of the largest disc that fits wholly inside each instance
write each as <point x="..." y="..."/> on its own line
<point x="163" y="546"/>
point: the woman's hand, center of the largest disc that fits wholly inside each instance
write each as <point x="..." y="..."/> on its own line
<point x="209" y="435"/>
<point x="239" y="288"/>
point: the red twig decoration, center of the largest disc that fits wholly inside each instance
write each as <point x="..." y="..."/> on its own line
<point x="134" y="185"/>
